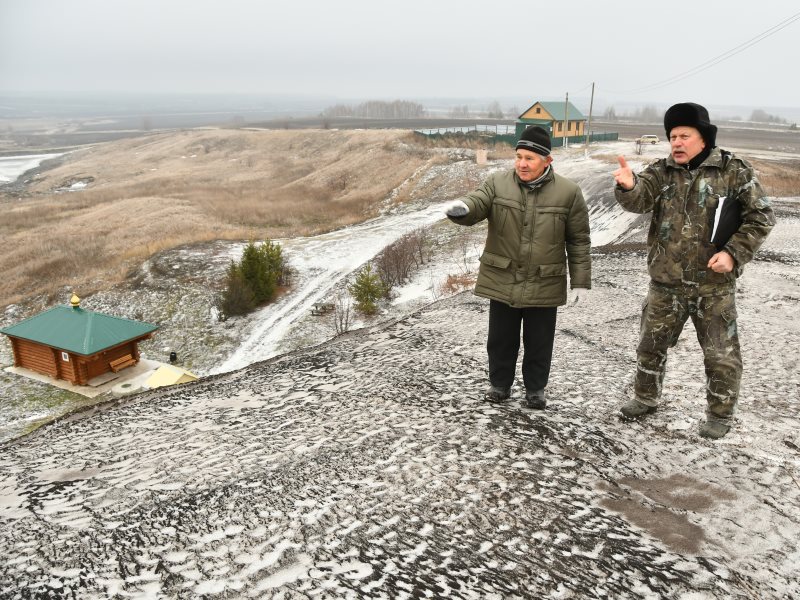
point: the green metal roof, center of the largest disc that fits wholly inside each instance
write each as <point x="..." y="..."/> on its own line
<point x="557" y="110"/>
<point x="77" y="330"/>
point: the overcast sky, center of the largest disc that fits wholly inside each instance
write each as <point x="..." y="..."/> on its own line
<point x="411" y="49"/>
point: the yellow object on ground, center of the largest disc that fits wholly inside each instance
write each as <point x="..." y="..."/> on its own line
<point x="169" y="375"/>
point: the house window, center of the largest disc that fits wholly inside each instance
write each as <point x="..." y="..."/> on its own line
<point x="65" y="357"/>
<point x="538" y="110"/>
<point x="560" y="126"/>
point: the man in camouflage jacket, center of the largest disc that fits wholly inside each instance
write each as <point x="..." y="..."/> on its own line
<point x="691" y="277"/>
<point x="538" y="230"/>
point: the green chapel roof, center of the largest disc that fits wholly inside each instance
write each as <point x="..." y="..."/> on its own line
<point x="77" y="330"/>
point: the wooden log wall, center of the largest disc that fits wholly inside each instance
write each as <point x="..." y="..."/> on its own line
<point x="35" y="357"/>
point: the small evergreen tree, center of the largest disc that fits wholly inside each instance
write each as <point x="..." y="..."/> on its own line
<point x="263" y="269"/>
<point x="237" y="298"/>
<point x="366" y="290"/>
<point x="253" y="280"/>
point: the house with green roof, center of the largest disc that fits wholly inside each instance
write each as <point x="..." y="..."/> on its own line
<point x="77" y="345"/>
<point x="550" y="115"/>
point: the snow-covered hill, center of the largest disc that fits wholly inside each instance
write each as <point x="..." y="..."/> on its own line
<point x="372" y="467"/>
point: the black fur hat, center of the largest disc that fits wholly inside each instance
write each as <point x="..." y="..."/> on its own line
<point x="536" y="139"/>
<point x="689" y="114"/>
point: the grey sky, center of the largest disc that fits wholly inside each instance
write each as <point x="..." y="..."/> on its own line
<point x="410" y="49"/>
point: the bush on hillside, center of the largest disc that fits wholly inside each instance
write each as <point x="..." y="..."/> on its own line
<point x="254" y="280"/>
<point x="262" y="267"/>
<point x="238" y="298"/>
<point x="366" y="290"/>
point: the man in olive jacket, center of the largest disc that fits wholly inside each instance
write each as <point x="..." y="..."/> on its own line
<point x="710" y="215"/>
<point x="538" y="230"/>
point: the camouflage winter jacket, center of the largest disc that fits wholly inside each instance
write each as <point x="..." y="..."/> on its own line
<point x="532" y="236"/>
<point x="683" y="203"/>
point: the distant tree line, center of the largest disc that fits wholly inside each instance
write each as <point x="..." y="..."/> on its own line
<point x="377" y="109"/>
<point x="650" y="114"/>
<point x="493" y="111"/>
<point x="459" y="112"/>
<point x="761" y="116"/>
<point x="646" y="114"/>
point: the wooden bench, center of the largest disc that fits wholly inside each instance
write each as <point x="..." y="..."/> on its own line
<point x="122" y="362"/>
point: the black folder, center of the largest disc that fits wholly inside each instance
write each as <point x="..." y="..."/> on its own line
<point x="727" y="220"/>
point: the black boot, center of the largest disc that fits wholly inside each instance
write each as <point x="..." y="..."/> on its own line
<point x="535" y="399"/>
<point x="498" y="394"/>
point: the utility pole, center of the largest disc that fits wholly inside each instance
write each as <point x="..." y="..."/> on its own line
<point x="589" y="125"/>
<point x="566" y="119"/>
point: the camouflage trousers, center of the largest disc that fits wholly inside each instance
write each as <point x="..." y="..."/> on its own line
<point x="663" y="316"/>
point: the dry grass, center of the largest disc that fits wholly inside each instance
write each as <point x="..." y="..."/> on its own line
<point x="161" y="191"/>
<point x="779" y="179"/>
<point x="457" y="283"/>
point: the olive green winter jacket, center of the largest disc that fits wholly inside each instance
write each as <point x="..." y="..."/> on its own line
<point x="532" y="236"/>
<point x="684" y="203"/>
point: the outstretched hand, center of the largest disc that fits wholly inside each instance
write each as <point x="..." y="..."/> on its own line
<point x="456" y="208"/>
<point x="624" y="175"/>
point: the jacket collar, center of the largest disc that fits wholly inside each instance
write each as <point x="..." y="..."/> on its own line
<point x="544" y="178"/>
<point x="714" y="160"/>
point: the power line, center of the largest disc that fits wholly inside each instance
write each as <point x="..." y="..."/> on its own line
<point x="717" y="59"/>
<point x="582" y="89"/>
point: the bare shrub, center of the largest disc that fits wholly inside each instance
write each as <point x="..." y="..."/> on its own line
<point x="421" y="242"/>
<point x="436" y="289"/>
<point x="396" y="263"/>
<point x="466" y="249"/>
<point x="342" y="317"/>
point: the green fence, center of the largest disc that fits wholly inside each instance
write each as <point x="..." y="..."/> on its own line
<point x="581" y="139"/>
<point x="489" y="137"/>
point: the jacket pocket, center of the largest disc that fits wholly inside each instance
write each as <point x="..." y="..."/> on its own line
<point x="495" y="274"/>
<point x="554" y="222"/>
<point x="557" y="270"/>
<point x="502" y="211"/>
<point x="550" y="287"/>
<point x="495" y="260"/>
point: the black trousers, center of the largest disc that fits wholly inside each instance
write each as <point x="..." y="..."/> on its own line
<point x="538" y="332"/>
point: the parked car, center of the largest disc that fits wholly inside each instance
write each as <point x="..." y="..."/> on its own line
<point x="647" y="139"/>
